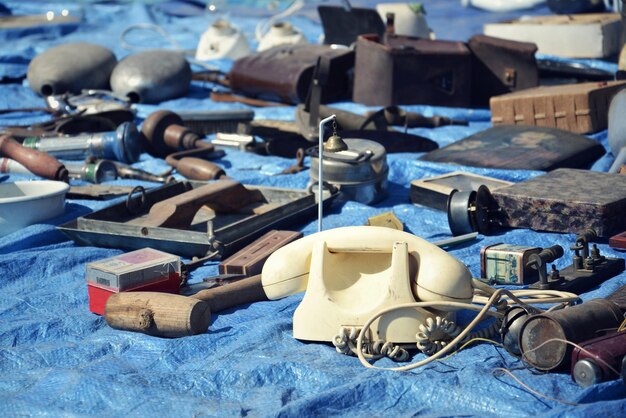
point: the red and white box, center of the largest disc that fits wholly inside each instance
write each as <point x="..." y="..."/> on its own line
<point x="141" y="270"/>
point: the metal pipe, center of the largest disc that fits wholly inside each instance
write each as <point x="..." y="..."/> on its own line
<point x="320" y="178"/>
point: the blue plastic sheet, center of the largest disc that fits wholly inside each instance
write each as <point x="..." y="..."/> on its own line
<point x="59" y="359"/>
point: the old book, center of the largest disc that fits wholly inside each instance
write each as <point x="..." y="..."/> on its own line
<point x="618" y="241"/>
<point x="520" y="148"/>
<point x="580" y="108"/>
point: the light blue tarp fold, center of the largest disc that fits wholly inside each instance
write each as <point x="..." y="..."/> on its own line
<point x="59" y="359"/>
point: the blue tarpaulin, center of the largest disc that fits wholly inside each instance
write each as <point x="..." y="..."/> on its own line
<point x="59" y="359"/>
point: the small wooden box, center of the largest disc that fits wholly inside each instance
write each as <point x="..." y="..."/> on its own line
<point x="566" y="200"/>
<point x="435" y="191"/>
<point x="579" y="108"/>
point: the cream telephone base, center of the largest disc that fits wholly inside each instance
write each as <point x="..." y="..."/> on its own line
<point x="353" y="272"/>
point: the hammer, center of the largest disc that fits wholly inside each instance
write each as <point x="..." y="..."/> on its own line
<point x="168" y="315"/>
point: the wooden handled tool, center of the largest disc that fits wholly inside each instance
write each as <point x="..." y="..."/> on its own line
<point x="179" y="211"/>
<point x="35" y="161"/>
<point x="167" y="315"/>
<point x="197" y="169"/>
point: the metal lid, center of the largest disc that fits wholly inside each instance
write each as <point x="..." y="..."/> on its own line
<point x="534" y="345"/>
<point x="363" y="161"/>
<point x="587" y="373"/>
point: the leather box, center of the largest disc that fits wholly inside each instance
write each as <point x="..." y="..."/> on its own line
<point x="500" y="66"/>
<point x="580" y="108"/>
<point x="567" y="201"/>
<point x="284" y="73"/>
<point x="407" y="70"/>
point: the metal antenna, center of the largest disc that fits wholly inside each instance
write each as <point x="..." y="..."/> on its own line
<point x="320" y="179"/>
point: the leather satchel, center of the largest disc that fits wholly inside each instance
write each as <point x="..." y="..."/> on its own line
<point x="284" y="73"/>
<point x="500" y="66"/>
<point x="407" y="70"/>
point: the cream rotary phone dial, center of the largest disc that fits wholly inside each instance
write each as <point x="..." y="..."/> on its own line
<point x="351" y="273"/>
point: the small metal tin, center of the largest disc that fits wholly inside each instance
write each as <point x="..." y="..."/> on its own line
<point x="360" y="172"/>
<point x="506" y="264"/>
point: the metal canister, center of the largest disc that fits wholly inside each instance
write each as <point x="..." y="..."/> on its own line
<point x="578" y="323"/>
<point x="359" y="172"/>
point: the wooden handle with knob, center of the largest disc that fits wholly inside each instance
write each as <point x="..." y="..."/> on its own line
<point x="241" y="292"/>
<point x="167" y="315"/>
<point x="37" y="162"/>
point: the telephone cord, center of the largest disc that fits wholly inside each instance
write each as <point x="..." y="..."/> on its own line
<point x="438" y="332"/>
<point x="495" y="298"/>
<point x="345" y="343"/>
<point x="482" y="293"/>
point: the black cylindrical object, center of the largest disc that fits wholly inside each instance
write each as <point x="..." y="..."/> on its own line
<point x="623" y="13"/>
<point x="578" y="323"/>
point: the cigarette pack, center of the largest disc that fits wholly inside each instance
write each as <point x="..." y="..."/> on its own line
<point x="141" y="270"/>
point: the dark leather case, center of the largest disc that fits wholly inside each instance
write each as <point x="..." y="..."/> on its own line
<point x="500" y="66"/>
<point x="284" y="73"/>
<point x="407" y="70"/>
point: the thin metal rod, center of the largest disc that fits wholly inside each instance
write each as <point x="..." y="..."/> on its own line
<point x="320" y="179"/>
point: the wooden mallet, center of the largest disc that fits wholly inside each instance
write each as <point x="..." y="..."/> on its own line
<point x="168" y="315"/>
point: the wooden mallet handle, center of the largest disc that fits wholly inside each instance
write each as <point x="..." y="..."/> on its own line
<point x="167" y="315"/>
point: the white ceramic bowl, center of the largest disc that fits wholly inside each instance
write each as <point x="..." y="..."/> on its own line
<point x="24" y="203"/>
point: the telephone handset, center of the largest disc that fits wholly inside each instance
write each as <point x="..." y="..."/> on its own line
<point x="351" y="273"/>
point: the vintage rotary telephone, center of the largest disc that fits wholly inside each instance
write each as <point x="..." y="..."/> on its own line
<point x="398" y="287"/>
